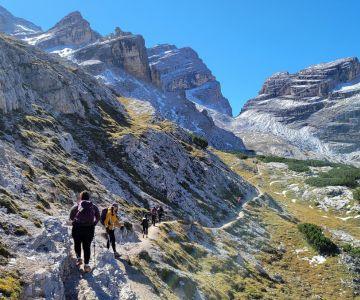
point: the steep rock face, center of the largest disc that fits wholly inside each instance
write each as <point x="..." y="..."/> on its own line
<point x="29" y="76"/>
<point x="315" y="111"/>
<point x="72" y="31"/>
<point x="18" y="27"/>
<point x="181" y="70"/>
<point x="318" y="80"/>
<point x="125" y="51"/>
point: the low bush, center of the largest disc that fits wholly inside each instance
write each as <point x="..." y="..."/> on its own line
<point x="7" y="202"/>
<point x="199" y="141"/>
<point x="356" y="194"/>
<point x="340" y="175"/>
<point x="296" y="165"/>
<point x="20" y="230"/>
<point x="10" y="286"/>
<point x="315" y="237"/>
<point x="4" y="252"/>
<point x="351" y="250"/>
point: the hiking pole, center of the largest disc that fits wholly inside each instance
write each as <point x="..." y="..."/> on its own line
<point x="94" y="252"/>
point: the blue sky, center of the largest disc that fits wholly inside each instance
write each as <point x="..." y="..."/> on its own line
<point x="242" y="42"/>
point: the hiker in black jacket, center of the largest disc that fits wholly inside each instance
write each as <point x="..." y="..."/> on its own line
<point x="145" y="225"/>
<point x="84" y="216"/>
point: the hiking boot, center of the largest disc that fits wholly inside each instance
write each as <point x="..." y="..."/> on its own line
<point x="87" y="269"/>
<point x="116" y="255"/>
<point x="79" y="261"/>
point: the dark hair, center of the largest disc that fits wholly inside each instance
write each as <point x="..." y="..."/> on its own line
<point x="85" y="195"/>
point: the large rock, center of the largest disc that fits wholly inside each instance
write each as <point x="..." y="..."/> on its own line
<point x="127" y="52"/>
<point x="29" y="76"/>
<point x="182" y="70"/>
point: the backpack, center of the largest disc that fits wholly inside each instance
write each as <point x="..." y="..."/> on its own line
<point x="103" y="216"/>
<point x="86" y="214"/>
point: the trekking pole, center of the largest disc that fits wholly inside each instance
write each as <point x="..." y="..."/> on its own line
<point x="94" y="253"/>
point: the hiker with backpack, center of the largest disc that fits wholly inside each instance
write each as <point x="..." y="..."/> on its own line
<point x="153" y="215"/>
<point x="145" y="225"/>
<point x="84" y="216"/>
<point x="110" y="220"/>
<point x="160" y="213"/>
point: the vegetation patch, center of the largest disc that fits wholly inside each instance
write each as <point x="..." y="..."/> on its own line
<point x="10" y="286"/>
<point x="199" y="141"/>
<point x="296" y="165"/>
<point x="343" y="175"/>
<point x="4" y="252"/>
<point x="20" y="231"/>
<point x="7" y="202"/>
<point x="316" y="238"/>
<point x="351" y="250"/>
<point x="356" y="194"/>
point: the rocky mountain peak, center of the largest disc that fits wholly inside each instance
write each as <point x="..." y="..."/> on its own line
<point x="71" y="32"/>
<point x="315" y="81"/>
<point x="16" y="26"/>
<point x="72" y="19"/>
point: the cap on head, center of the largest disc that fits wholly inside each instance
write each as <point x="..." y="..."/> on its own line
<point x="115" y="205"/>
<point x="85" y="195"/>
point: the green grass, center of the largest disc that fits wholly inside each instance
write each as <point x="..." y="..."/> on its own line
<point x="340" y="175"/>
<point x="356" y="194"/>
<point x="315" y="237"/>
<point x="296" y="164"/>
<point x="10" y="286"/>
<point x="351" y="250"/>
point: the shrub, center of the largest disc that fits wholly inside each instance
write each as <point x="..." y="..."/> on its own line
<point x="315" y="237"/>
<point x="340" y="175"/>
<point x="199" y="141"/>
<point x="19" y="231"/>
<point x="4" y="252"/>
<point x="296" y="165"/>
<point x="351" y="250"/>
<point x="356" y="194"/>
<point x="8" y="203"/>
<point x="144" y="255"/>
<point x="10" y="286"/>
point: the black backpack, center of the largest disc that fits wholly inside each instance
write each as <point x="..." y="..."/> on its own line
<point x="103" y="216"/>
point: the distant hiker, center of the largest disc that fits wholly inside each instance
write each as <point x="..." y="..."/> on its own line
<point x="145" y="225"/>
<point x="160" y="213"/>
<point x="110" y="220"/>
<point x="84" y="216"/>
<point x="153" y="215"/>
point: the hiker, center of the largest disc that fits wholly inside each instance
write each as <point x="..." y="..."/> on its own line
<point x="160" y="213"/>
<point x="111" y="221"/>
<point x="84" y="216"/>
<point x="153" y="215"/>
<point x="145" y="225"/>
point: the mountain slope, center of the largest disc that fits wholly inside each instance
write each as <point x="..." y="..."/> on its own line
<point x="181" y="70"/>
<point x="16" y="26"/>
<point x="311" y="114"/>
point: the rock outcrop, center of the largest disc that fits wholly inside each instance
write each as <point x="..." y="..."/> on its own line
<point x="18" y="27"/>
<point x="73" y="31"/>
<point x="316" y="112"/>
<point x="127" y="52"/>
<point x="29" y="76"/>
<point x="181" y="70"/>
